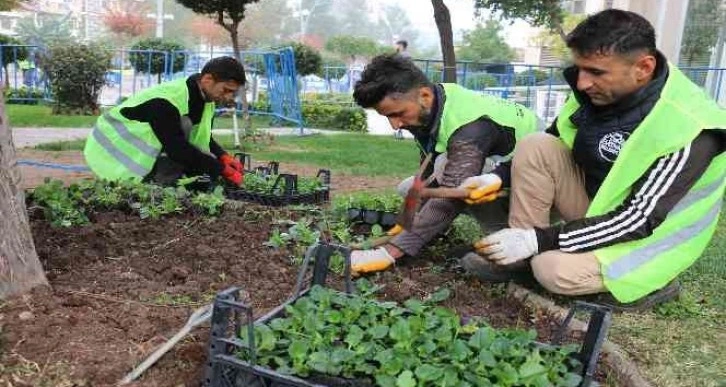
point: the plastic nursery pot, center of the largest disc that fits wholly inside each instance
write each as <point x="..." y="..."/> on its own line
<point x="371" y="216"/>
<point x="354" y="214"/>
<point x="388" y="219"/>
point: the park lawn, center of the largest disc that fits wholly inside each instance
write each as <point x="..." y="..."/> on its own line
<point x="349" y="153"/>
<point x="40" y="116"/>
<point x="352" y="154"/>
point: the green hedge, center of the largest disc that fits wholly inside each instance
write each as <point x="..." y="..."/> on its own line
<point x="325" y="112"/>
<point x="328" y="116"/>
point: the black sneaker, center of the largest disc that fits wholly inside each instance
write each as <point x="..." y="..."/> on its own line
<point x="660" y="296"/>
<point x="484" y="270"/>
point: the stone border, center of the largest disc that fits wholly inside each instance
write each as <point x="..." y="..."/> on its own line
<point x="623" y="369"/>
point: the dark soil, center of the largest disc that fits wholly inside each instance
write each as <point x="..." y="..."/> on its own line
<point x="122" y="286"/>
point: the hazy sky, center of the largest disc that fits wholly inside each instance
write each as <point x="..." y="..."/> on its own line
<point x="462" y="18"/>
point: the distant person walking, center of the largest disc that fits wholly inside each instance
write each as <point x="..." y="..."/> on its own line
<point x="402" y="48"/>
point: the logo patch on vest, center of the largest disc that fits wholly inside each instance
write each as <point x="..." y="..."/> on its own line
<point x="611" y="144"/>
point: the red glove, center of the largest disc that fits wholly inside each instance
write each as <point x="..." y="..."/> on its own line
<point x="229" y="161"/>
<point x="234" y="176"/>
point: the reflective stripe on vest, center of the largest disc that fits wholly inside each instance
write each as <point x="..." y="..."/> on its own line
<point x="129" y="137"/>
<point x="116" y="153"/>
<point x="644" y="254"/>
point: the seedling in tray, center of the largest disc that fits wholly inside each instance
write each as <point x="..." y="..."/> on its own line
<point x="322" y="337"/>
<point x="266" y="186"/>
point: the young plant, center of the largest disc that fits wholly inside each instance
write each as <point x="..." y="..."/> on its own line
<point x="417" y="344"/>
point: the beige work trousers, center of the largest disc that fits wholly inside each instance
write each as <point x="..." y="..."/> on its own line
<point x="545" y="176"/>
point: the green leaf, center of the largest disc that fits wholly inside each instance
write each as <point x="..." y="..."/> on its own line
<point x="415" y="306"/>
<point x="439" y="296"/>
<point x="266" y="339"/>
<point x="406" y="379"/>
<point x="429" y="373"/>
<point x="531" y="367"/>
<point x="385" y="381"/>
<point x="461" y="351"/>
<point x="298" y="349"/>
<point x="354" y="336"/>
<point x="485" y="357"/>
<point x="400" y="331"/>
<point x="482" y="338"/>
<point x="506" y="374"/>
<point x="378" y="332"/>
<point x="570" y="380"/>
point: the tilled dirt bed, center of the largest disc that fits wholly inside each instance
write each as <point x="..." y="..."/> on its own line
<point x="122" y="286"/>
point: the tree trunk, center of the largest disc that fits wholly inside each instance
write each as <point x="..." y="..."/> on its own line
<point x="443" y="23"/>
<point x="20" y="269"/>
<point x="242" y="92"/>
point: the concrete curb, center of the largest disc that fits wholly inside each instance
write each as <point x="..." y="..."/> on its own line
<point x="624" y="370"/>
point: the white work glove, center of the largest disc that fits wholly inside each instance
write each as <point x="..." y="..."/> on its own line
<point x="508" y="246"/>
<point x="483" y="188"/>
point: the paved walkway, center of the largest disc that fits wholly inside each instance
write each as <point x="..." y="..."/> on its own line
<point x="30" y="137"/>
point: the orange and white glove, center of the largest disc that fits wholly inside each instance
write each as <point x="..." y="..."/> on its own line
<point x="369" y="261"/>
<point x="482" y="189"/>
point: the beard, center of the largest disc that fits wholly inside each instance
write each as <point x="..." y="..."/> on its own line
<point x="424" y="121"/>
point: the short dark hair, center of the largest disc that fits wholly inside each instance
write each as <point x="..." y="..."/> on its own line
<point x="612" y="31"/>
<point x="403" y="43"/>
<point x="225" y="68"/>
<point x="387" y="74"/>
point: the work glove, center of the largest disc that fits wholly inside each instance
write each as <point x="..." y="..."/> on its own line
<point x="232" y="175"/>
<point x="508" y="246"/>
<point x="482" y="189"/>
<point x="395" y="230"/>
<point x="227" y="160"/>
<point x="368" y="261"/>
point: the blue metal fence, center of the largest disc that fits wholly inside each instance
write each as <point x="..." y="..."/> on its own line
<point x="271" y="71"/>
<point x="541" y="88"/>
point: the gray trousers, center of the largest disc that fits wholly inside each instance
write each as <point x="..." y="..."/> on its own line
<point x="436" y="215"/>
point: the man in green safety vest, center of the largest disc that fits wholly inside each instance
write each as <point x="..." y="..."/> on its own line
<point x="165" y="132"/>
<point x="462" y="128"/>
<point x="635" y="166"/>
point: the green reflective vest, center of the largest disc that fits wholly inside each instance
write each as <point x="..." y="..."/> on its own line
<point x="119" y="148"/>
<point x="463" y="106"/>
<point x="634" y="269"/>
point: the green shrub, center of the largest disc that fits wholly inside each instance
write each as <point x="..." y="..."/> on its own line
<point x="330" y="116"/>
<point x="24" y="95"/>
<point x="77" y="74"/>
<point x="160" y="53"/>
<point x="479" y="81"/>
<point x="307" y="59"/>
<point x="530" y="77"/>
<point x="10" y="53"/>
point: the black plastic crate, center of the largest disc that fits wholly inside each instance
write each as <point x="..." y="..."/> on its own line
<point x="285" y="189"/>
<point x="225" y="369"/>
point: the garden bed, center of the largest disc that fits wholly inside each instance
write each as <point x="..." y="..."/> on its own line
<point x="123" y="284"/>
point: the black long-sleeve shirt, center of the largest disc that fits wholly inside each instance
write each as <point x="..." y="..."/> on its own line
<point x="166" y="122"/>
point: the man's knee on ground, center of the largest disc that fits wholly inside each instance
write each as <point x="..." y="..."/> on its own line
<point x="551" y="272"/>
